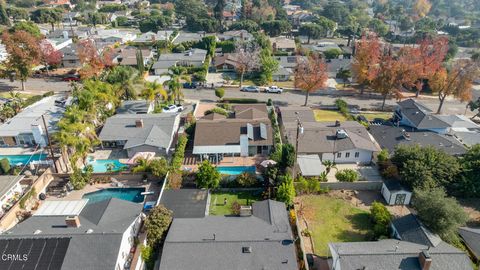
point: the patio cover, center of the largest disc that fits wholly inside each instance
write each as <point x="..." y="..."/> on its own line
<point x="141" y="155"/>
<point x="310" y="165"/>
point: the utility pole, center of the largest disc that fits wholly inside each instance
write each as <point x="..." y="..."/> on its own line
<point x="299" y="131"/>
<point x="49" y="143"/>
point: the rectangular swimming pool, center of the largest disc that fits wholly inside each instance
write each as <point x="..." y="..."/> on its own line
<point x="235" y="170"/>
<point x="127" y="194"/>
<point x="103" y="165"/>
<point x="23" y="159"/>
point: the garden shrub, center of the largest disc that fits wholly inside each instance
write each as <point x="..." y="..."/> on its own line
<point x="240" y="100"/>
<point x="179" y="154"/>
<point x="236" y="208"/>
<point x="4" y="166"/>
<point x="246" y="179"/>
<point x="307" y="186"/>
<point x="347" y="175"/>
<point x="216" y="110"/>
<point x="220" y="92"/>
<point x="175" y="180"/>
<point x="207" y="176"/>
<point x="148" y="256"/>
<point x="381" y="219"/>
<point x="383" y="155"/>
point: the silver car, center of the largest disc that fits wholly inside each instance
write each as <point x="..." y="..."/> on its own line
<point x="250" y="88"/>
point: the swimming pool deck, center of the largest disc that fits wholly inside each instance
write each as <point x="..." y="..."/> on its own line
<point x="7" y="151"/>
<point x="109" y="154"/>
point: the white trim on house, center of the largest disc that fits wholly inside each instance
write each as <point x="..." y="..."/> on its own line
<point x="217" y="149"/>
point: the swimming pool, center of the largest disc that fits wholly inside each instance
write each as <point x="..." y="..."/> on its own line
<point x="23" y="159"/>
<point x="127" y="194"/>
<point x="102" y="165"/>
<point x="235" y="170"/>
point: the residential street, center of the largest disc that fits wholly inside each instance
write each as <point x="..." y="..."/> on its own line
<point x="298" y="98"/>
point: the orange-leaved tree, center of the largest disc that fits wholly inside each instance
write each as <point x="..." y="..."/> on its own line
<point x="310" y="74"/>
<point x="455" y="80"/>
<point x="367" y="55"/>
<point x="93" y="62"/>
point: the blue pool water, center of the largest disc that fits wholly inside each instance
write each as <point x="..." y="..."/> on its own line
<point x="234" y="170"/>
<point x="101" y="165"/>
<point x="23" y="159"/>
<point x="127" y="194"/>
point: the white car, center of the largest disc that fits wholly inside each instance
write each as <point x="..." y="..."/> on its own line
<point x="250" y="88"/>
<point x="274" y="89"/>
<point x="172" y="108"/>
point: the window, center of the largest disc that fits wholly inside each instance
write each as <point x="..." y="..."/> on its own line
<point x="347" y="155"/>
<point x="339" y="155"/>
<point x="357" y="154"/>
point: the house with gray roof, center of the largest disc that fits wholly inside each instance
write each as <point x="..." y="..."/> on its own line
<point x="27" y="127"/>
<point x="471" y="238"/>
<point x="395" y="254"/>
<point x="141" y="132"/>
<point x="247" y="133"/>
<point x="68" y="235"/>
<point x="409" y="228"/>
<point x="389" y="137"/>
<point x="260" y="239"/>
<point x="191" y="58"/>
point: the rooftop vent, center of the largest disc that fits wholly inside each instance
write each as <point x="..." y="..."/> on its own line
<point x="341" y="134"/>
<point x="246" y="249"/>
<point x="425" y="260"/>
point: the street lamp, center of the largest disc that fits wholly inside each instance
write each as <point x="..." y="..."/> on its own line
<point x="299" y="131"/>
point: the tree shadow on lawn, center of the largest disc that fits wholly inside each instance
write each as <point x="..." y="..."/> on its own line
<point x="361" y="228"/>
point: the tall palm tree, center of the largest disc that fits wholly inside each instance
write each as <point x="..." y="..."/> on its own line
<point x="176" y="74"/>
<point x="153" y="91"/>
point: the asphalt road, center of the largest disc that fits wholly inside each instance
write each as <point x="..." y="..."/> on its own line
<point x="372" y="102"/>
<point x="35" y="85"/>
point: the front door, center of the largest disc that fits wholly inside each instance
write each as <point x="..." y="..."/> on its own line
<point x="400" y="199"/>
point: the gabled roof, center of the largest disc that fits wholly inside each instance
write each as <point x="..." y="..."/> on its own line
<point x="7" y="182"/>
<point x="260" y="241"/>
<point x="420" y="116"/>
<point x="410" y="229"/>
<point x="390" y="137"/>
<point x="394" y="254"/>
<point x="157" y="129"/>
<point x="185" y="203"/>
<point x="395" y="185"/>
<point x="471" y="237"/>
<point x="134" y="107"/>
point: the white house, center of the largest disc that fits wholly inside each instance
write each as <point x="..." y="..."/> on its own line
<point x="395" y="193"/>
<point x="190" y="58"/>
<point x="10" y="191"/>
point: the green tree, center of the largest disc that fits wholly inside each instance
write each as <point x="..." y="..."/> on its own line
<point x="4" y="166"/>
<point x="311" y="30"/>
<point x="344" y="74"/>
<point x="286" y="191"/>
<point x="378" y="27"/>
<point x="269" y="66"/>
<point x="220" y="92"/>
<point x="17" y="14"/>
<point x="329" y="165"/>
<point x="288" y="155"/>
<point x="276" y="27"/>
<point x="332" y="53"/>
<point x="47" y="15"/>
<point x="124" y="78"/>
<point x="468" y="184"/>
<point x="28" y="27"/>
<point x="4" y="20"/>
<point x="249" y="25"/>
<point x="207" y="176"/>
<point x="140" y="64"/>
<point x="381" y="218"/>
<point x="153" y="91"/>
<point x="441" y="214"/>
<point x="335" y="11"/>
<point x="425" y="167"/>
<point x="156" y="224"/>
<point x="176" y="74"/>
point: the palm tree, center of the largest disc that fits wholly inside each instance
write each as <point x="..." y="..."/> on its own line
<point x="16" y="101"/>
<point x="329" y="165"/>
<point x="176" y="74"/>
<point x="142" y="165"/>
<point x="153" y="91"/>
<point x="6" y="112"/>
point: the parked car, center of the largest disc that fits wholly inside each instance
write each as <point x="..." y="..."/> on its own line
<point x="191" y="85"/>
<point x="274" y="89"/>
<point x="362" y="118"/>
<point x="173" y="108"/>
<point x="250" y="88"/>
<point x="71" y="78"/>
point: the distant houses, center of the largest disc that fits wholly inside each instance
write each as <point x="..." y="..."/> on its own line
<point x="190" y="58"/>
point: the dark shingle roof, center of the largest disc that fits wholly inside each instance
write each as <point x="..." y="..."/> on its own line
<point x="420" y="116"/>
<point x="410" y="229"/>
<point x="389" y="137"/>
<point x="217" y="242"/>
<point x="185" y="203"/>
<point x="394" y="254"/>
<point x="133" y="107"/>
<point x="471" y="237"/>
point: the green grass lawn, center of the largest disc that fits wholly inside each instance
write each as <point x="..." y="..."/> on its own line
<point x="334" y="220"/>
<point x="327" y="115"/>
<point x="22" y="95"/>
<point x="381" y="115"/>
<point x="217" y="207"/>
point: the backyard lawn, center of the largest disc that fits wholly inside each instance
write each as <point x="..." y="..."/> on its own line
<point x="381" y="115"/>
<point x="218" y="208"/>
<point x="333" y="220"/>
<point x="328" y="115"/>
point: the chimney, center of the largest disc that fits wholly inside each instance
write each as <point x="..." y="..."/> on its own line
<point x="425" y="260"/>
<point x="139" y="123"/>
<point x="72" y="221"/>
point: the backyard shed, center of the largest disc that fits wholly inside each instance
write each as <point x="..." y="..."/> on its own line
<point x="395" y="193"/>
<point x="310" y="165"/>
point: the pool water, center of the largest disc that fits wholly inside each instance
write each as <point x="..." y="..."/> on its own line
<point x="235" y="170"/>
<point x="23" y="159"/>
<point x="102" y="165"/>
<point x="127" y="194"/>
